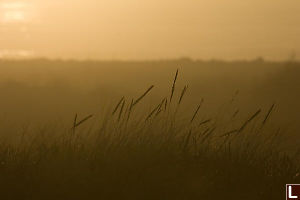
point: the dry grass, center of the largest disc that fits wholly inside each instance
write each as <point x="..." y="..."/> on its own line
<point x="156" y="155"/>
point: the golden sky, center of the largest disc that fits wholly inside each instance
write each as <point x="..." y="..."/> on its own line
<point x="150" y="29"/>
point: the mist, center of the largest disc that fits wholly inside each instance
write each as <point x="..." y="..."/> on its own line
<point x="139" y="30"/>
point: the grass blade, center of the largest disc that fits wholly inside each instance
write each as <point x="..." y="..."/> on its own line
<point x="197" y="110"/>
<point x="83" y="120"/>
<point x="118" y="105"/>
<point x="249" y="120"/>
<point x="268" y="114"/>
<point x="143" y="95"/>
<point x="173" y="86"/>
<point x="182" y="94"/>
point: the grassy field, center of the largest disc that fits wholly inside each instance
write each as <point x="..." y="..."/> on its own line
<point x="146" y="130"/>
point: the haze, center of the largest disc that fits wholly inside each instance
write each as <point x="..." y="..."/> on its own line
<point x="150" y="29"/>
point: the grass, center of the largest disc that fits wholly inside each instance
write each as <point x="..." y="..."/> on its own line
<point x="162" y="154"/>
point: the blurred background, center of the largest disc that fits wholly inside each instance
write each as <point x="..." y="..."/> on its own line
<point x="223" y="49"/>
<point x="149" y="29"/>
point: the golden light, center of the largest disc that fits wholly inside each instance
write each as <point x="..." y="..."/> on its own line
<point x="14" y="12"/>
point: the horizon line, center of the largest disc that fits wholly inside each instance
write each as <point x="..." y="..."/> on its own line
<point x="185" y="59"/>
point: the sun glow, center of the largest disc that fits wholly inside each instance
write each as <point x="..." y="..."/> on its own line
<point x="14" y="12"/>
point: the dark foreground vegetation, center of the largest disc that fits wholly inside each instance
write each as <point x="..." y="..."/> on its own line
<point x="136" y="149"/>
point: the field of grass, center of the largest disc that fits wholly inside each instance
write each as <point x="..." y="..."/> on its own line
<point x="143" y="130"/>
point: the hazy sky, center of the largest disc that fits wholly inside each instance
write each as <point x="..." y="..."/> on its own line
<point x="150" y="29"/>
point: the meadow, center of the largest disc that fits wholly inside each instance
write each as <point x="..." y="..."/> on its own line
<point x="169" y="129"/>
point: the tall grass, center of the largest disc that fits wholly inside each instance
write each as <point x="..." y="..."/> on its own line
<point x="160" y="154"/>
